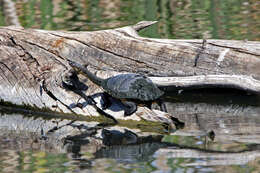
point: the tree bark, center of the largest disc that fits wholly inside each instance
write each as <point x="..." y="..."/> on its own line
<point x="32" y="58"/>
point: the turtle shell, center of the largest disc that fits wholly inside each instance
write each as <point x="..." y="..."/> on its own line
<point x="132" y="86"/>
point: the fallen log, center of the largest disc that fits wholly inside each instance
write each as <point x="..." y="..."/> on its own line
<point x="33" y="63"/>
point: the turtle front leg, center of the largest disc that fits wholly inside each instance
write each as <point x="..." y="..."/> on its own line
<point x="129" y="107"/>
<point x="106" y="103"/>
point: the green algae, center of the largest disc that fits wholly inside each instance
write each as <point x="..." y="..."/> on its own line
<point x="46" y="113"/>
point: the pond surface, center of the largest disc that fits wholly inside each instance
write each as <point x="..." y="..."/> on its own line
<point x="183" y="19"/>
<point x="233" y="118"/>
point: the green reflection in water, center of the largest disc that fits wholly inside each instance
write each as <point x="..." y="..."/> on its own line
<point x="33" y="161"/>
<point x="14" y="158"/>
<point x="193" y="19"/>
<point x="2" y="20"/>
<point x="28" y="15"/>
<point x="176" y="164"/>
<point x="46" y="8"/>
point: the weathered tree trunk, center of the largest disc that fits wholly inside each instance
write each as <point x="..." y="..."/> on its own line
<point x="30" y="59"/>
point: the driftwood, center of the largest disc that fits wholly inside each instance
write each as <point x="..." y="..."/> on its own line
<point x="33" y="63"/>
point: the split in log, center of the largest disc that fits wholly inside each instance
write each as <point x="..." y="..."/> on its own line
<point x="30" y="58"/>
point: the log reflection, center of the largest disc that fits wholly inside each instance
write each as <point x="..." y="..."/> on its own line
<point x="231" y="115"/>
<point x="236" y="129"/>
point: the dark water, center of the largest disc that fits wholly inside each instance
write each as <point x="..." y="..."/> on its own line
<point x="235" y="121"/>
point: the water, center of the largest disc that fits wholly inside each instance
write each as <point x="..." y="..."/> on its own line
<point x="235" y="149"/>
<point x="235" y="121"/>
<point x="219" y="19"/>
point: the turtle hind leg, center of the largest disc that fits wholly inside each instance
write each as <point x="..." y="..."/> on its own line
<point x="130" y="108"/>
<point x="106" y="103"/>
<point x="148" y="104"/>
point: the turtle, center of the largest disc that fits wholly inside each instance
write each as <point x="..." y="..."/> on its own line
<point x="130" y="88"/>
